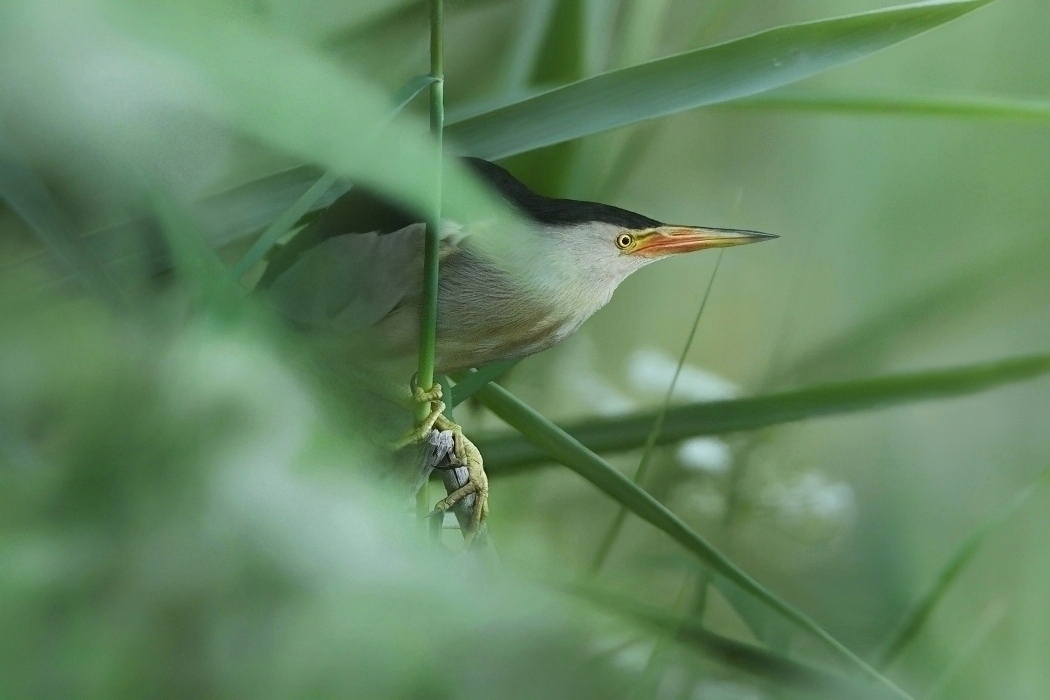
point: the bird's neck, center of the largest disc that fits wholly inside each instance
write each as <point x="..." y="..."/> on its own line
<point x="570" y="278"/>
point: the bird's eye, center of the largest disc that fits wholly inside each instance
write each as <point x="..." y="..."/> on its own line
<point x="624" y="240"/>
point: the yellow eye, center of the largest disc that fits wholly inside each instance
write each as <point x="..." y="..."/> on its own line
<point x="624" y="240"/>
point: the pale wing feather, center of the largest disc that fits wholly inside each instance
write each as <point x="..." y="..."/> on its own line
<point x="351" y="282"/>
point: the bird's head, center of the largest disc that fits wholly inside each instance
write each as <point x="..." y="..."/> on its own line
<point x="603" y="242"/>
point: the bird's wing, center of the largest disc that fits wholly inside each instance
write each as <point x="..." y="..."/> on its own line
<point x="350" y="267"/>
<point x="350" y="282"/>
<point x="356" y="211"/>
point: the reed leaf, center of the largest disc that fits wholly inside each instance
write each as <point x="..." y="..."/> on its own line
<point x="919" y="614"/>
<point x="504" y="454"/>
<point x="957" y="106"/>
<point x="699" y="78"/>
<point x="568" y="451"/>
<point x="690" y="632"/>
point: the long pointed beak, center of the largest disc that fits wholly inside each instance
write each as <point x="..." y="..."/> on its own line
<point x="669" y="240"/>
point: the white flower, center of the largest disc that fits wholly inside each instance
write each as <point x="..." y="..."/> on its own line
<point x="705" y="454"/>
<point x="810" y="495"/>
<point x="651" y="371"/>
<point x="576" y="374"/>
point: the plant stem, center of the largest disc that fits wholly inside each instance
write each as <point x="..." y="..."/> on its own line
<point x="654" y="433"/>
<point x="428" y="314"/>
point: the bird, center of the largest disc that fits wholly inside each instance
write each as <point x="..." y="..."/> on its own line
<point x="354" y="275"/>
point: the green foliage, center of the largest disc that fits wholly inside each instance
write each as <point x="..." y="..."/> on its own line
<point x="718" y="417"/>
<point x="572" y="454"/>
<point x="695" y="79"/>
<point x="190" y="501"/>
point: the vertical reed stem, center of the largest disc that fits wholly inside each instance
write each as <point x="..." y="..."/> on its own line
<point x="428" y="314"/>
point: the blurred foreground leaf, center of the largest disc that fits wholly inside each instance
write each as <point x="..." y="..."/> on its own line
<point x="27" y="196"/>
<point x="504" y="454"/>
<point x="297" y="102"/>
<point x="308" y="200"/>
<point x="178" y="518"/>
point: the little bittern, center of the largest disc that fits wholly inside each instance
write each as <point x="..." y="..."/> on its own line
<point x="356" y="272"/>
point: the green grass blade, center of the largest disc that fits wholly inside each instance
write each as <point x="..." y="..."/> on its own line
<point x="969" y="106"/>
<point x="772" y="631"/>
<point x="283" y="224"/>
<point x="408" y="92"/>
<point x="469" y="383"/>
<point x="309" y="199"/>
<point x="563" y="448"/>
<point x="689" y="631"/>
<point x="717" y="417"/>
<point x="294" y="100"/>
<point x="654" y="433"/>
<point x="989" y="621"/>
<point x="706" y="76"/>
<point x="196" y="264"/>
<point x="916" y="619"/>
<point x="29" y="199"/>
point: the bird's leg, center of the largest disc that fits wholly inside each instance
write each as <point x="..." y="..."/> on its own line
<point x="418" y="433"/>
<point x="465" y="454"/>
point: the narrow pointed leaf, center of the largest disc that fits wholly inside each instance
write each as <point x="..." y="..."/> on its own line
<point x="469" y="383"/>
<point x="309" y="199"/>
<point x="963" y="107"/>
<point x="196" y="264"/>
<point x="408" y="92"/>
<point x="563" y="448"/>
<point x="296" y="101"/>
<point x="717" y="417"/>
<point x="283" y="224"/>
<point x="690" y="632"/>
<point x="707" y="76"/>
<point x="916" y="618"/>
<point x="28" y="198"/>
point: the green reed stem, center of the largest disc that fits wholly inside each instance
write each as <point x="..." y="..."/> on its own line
<point x="650" y="443"/>
<point x="428" y="314"/>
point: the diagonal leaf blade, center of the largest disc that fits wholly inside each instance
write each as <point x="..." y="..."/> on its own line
<point x="298" y="102"/>
<point x="690" y="632"/>
<point x="27" y="196"/>
<point x="565" y="449"/>
<point x="309" y="199"/>
<point x="923" y="608"/>
<point x="717" y="417"/>
<point x="953" y="106"/>
<point x="706" y="76"/>
<point x="469" y="383"/>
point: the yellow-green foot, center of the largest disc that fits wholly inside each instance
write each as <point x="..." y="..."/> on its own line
<point x="465" y="454"/>
<point x="419" y="432"/>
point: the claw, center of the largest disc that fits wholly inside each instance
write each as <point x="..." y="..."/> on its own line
<point x="419" y="432"/>
<point x="465" y="454"/>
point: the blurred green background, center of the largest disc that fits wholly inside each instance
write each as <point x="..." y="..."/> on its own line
<point x="186" y="512"/>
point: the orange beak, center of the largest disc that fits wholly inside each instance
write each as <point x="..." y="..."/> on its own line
<point x="670" y="240"/>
